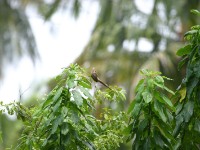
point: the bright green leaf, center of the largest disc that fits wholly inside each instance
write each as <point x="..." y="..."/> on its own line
<point x="58" y="94"/>
<point x="147" y="96"/>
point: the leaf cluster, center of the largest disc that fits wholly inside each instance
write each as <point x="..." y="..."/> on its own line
<point x="151" y="114"/>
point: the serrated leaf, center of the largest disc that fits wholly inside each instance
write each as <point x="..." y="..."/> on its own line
<point x="184" y="50"/>
<point x="77" y="98"/>
<point x="147" y="96"/>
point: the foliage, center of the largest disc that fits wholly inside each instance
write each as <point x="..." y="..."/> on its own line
<point x="64" y="118"/>
<point x="188" y="105"/>
<point x="151" y="114"/>
<point x="158" y="117"/>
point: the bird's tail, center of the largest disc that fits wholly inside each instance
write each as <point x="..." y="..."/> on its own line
<point x="104" y="84"/>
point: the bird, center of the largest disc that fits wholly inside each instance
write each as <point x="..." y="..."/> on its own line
<point x="96" y="78"/>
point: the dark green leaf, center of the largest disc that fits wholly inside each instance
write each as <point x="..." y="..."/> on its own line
<point x="163" y="99"/>
<point x="166" y="133"/>
<point x="184" y="50"/>
<point x="197" y="126"/>
<point x="159" y="110"/>
<point x="136" y="109"/>
<point x="191" y="85"/>
<point x="143" y="124"/>
<point x="188" y="110"/>
<point x="182" y="62"/>
<point x="179" y="121"/>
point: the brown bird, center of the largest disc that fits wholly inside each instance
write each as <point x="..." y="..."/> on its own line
<point x="96" y="79"/>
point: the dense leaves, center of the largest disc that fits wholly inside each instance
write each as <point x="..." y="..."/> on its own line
<point x="151" y="114"/>
<point x="64" y="119"/>
<point x="188" y="106"/>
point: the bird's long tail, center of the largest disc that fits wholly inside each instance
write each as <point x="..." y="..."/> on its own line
<point x="104" y="84"/>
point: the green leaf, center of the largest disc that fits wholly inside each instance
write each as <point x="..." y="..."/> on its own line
<point x="147" y="96"/>
<point x="195" y="12"/>
<point x="159" y="110"/>
<point x="159" y="80"/>
<point x="168" y="90"/>
<point x="197" y="126"/>
<point x="136" y="109"/>
<point x="188" y="110"/>
<point x="77" y="98"/>
<point x="179" y="121"/>
<point x="71" y="83"/>
<point x="191" y="85"/>
<point x="131" y="107"/>
<point x="143" y="124"/>
<point x="167" y="101"/>
<point x="58" y="94"/>
<point x="163" y="129"/>
<point x="56" y="106"/>
<point x="64" y="128"/>
<point x="140" y="86"/>
<point x="48" y="101"/>
<point x="191" y="32"/>
<point x="182" y="62"/>
<point x="55" y="123"/>
<point x="85" y="83"/>
<point x="86" y="92"/>
<point x="184" y="50"/>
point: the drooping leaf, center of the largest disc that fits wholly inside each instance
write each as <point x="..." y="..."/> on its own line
<point x="188" y="110"/>
<point x="184" y="50"/>
<point x="159" y="110"/>
<point x="58" y="94"/>
<point x="86" y="92"/>
<point x="77" y="98"/>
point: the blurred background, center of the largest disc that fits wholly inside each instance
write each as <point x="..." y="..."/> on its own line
<point x="117" y="37"/>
